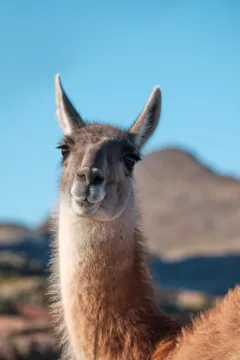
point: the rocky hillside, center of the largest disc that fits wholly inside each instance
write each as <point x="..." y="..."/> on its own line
<point x="187" y="209"/>
<point x="12" y="232"/>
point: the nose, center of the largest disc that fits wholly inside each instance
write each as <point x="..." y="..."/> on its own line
<point x="90" y="176"/>
<point x="88" y="185"/>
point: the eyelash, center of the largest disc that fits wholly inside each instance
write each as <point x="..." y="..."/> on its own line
<point x="65" y="150"/>
<point x="130" y="160"/>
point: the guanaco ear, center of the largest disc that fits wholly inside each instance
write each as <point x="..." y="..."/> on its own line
<point x="147" y="122"/>
<point x="68" y="116"/>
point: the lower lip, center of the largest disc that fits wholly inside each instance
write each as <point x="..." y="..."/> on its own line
<point x="89" y="209"/>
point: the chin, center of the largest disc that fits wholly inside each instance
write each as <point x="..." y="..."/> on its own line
<point x="102" y="215"/>
<point x="84" y="211"/>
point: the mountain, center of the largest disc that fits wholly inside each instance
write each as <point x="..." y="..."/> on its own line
<point x="10" y="232"/>
<point x="188" y="209"/>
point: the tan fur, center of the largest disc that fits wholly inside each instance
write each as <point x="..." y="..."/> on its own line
<point x="103" y="299"/>
<point x="213" y="336"/>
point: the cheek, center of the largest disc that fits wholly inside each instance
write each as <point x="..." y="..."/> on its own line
<point x="113" y="191"/>
<point x="117" y="193"/>
<point x="116" y="199"/>
<point x="69" y="172"/>
<point x="67" y="181"/>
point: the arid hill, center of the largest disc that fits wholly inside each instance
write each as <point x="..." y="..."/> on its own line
<point x="187" y="208"/>
<point x="10" y="232"/>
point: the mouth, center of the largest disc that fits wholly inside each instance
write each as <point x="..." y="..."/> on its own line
<point x="84" y="208"/>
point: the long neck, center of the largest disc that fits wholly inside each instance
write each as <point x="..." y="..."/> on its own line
<point x="108" y="301"/>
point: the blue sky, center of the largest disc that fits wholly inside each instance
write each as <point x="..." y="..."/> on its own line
<point x="110" y="55"/>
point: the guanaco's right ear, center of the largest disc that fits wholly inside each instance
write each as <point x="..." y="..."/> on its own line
<point x="68" y="116"/>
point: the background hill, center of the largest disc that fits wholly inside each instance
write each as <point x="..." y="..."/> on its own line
<point x="187" y="208"/>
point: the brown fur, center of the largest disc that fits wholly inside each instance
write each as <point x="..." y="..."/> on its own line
<point x="121" y="315"/>
<point x="164" y="348"/>
<point x="118" y="310"/>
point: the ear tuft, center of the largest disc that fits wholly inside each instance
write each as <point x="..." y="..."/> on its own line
<point x="145" y="125"/>
<point x="67" y="115"/>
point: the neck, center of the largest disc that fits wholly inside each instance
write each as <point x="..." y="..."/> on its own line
<point x="107" y="299"/>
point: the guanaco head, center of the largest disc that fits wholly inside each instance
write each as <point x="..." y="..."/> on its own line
<point x="98" y="160"/>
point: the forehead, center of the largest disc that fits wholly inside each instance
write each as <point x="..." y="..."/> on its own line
<point x="97" y="134"/>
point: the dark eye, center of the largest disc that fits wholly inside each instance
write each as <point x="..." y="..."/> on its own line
<point x="65" y="151"/>
<point x="130" y="161"/>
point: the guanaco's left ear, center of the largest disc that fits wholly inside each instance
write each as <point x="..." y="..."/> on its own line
<point x="147" y="122"/>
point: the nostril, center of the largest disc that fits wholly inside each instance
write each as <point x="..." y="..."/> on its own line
<point x="97" y="180"/>
<point x="97" y="177"/>
<point x="81" y="176"/>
